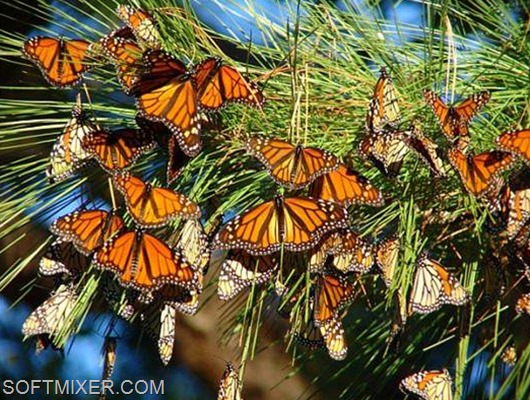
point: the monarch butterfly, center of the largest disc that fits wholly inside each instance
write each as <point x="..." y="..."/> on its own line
<point x="162" y="135"/>
<point x="87" y="230"/>
<point x="229" y="387"/>
<point x="332" y="294"/>
<point x="297" y="223"/>
<point x="167" y="93"/>
<point x="194" y="243"/>
<point x="117" y="149"/>
<point x="291" y="166"/>
<point x="386" y="150"/>
<point x="240" y="270"/>
<point x="126" y="54"/>
<point x="455" y="120"/>
<point x="108" y="352"/>
<point x="433" y="287"/>
<point x="142" y="24"/>
<point x="345" y="187"/>
<point x="517" y="142"/>
<point x="429" y="385"/>
<point x="63" y="258"/>
<point x="145" y="263"/>
<point x="350" y="252"/>
<point x="426" y="149"/>
<point x="62" y="62"/>
<point x="383" y="109"/>
<point x="515" y="203"/>
<point x="523" y="304"/>
<point x="219" y="84"/>
<point x="152" y="206"/>
<point x="386" y="258"/>
<point x="52" y="316"/>
<point x="160" y="321"/>
<point x="68" y="154"/>
<point x="478" y="172"/>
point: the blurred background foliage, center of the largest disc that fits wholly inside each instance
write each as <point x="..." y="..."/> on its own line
<point x="317" y="62"/>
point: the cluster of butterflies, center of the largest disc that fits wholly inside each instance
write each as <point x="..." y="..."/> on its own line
<point x="157" y="277"/>
<point x="307" y="231"/>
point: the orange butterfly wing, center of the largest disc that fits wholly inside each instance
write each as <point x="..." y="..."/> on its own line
<point x="151" y="206"/>
<point x="292" y="166"/>
<point x="145" y="263"/>
<point x="87" y="230"/>
<point x="517" y="142"/>
<point x="478" y="172"/>
<point x="219" y="84"/>
<point x="118" y="149"/>
<point x="166" y="93"/>
<point x="345" y="187"/>
<point x="61" y="61"/>
<point x="331" y="295"/>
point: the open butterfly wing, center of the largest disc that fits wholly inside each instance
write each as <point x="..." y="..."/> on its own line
<point x="118" y="149"/>
<point x="292" y="166"/>
<point x="332" y="294"/>
<point x="306" y="220"/>
<point x="87" y="230"/>
<point x="478" y="172"/>
<point x="345" y="187"/>
<point x="517" y="142"/>
<point x="256" y="230"/>
<point x="220" y="84"/>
